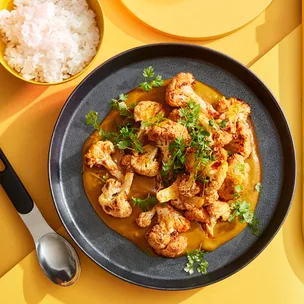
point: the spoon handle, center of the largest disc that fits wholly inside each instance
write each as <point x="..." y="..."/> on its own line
<point x="22" y="201"/>
<point x="14" y="188"/>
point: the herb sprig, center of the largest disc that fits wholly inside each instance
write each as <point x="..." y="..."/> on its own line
<point x="239" y="168"/>
<point x="149" y="83"/>
<point x="242" y="210"/>
<point x="199" y="135"/>
<point x="126" y="137"/>
<point x="258" y="187"/>
<point x="120" y="105"/>
<point x="145" y="204"/>
<point x="153" y="121"/>
<point x="238" y="189"/>
<point x="196" y="258"/>
<point x="177" y="161"/>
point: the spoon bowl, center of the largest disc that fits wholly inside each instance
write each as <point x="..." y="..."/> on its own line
<point x="58" y="259"/>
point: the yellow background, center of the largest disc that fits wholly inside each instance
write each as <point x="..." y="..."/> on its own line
<point x="27" y="117"/>
<point x="196" y="19"/>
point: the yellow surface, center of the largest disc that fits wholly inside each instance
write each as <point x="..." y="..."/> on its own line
<point x="196" y="19"/>
<point x="276" y="276"/>
<point x="94" y="5"/>
<point x="27" y="117"/>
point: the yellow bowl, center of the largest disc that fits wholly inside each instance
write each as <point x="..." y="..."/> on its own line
<point x="94" y="5"/>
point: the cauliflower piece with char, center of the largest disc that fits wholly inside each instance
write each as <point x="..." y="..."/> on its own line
<point x="146" y="163"/>
<point x="198" y="215"/>
<point x="187" y="186"/>
<point x="114" y="197"/>
<point x="147" y="110"/>
<point x="170" y="218"/>
<point x="185" y="203"/>
<point x="144" y="218"/>
<point x="99" y="154"/>
<point x="169" y="193"/>
<point x="176" y="246"/>
<point x="209" y="215"/>
<point x="164" y="237"/>
<point x="233" y="110"/>
<point x="165" y="133"/>
<point x="216" y="172"/>
<point x="126" y="162"/>
<point x="242" y="140"/>
<point x="142" y="163"/>
<point x="237" y="176"/>
<point x="181" y="90"/>
<point x="219" y="210"/>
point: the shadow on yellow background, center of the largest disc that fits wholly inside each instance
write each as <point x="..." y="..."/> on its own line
<point x="10" y="102"/>
<point x="96" y="286"/>
<point x="283" y="74"/>
<point x="290" y="82"/>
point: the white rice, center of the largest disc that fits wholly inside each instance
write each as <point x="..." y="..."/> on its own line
<point x="49" y="40"/>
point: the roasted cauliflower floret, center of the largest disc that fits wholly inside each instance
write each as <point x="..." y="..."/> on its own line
<point x="164" y="237"/>
<point x="187" y="186"/>
<point x="170" y="218"/>
<point x="198" y="215"/>
<point x="146" y="163"/>
<point x="216" y="172"/>
<point x="233" y="110"/>
<point x="174" y="115"/>
<point x="144" y="219"/>
<point x="211" y="197"/>
<point x="218" y="138"/>
<point x="209" y="215"/>
<point x="181" y="90"/>
<point x="165" y="133"/>
<point x="147" y="110"/>
<point x="114" y="197"/>
<point x="185" y="203"/>
<point x="167" y="217"/>
<point x="219" y="210"/>
<point x="178" y="203"/>
<point x="126" y="162"/>
<point x="176" y="246"/>
<point x="99" y="154"/>
<point x="158" y="237"/>
<point x="236" y="180"/>
<point x="242" y="142"/>
<point x="169" y="193"/>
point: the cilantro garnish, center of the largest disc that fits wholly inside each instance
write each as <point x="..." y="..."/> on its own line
<point x="153" y="120"/>
<point x="120" y="105"/>
<point x="126" y="138"/>
<point x="196" y="258"/>
<point x="239" y="168"/>
<point x="92" y="119"/>
<point x="145" y="204"/>
<point x="147" y="85"/>
<point x="258" y="187"/>
<point x="223" y="124"/>
<point x="242" y="210"/>
<point x="213" y="124"/>
<point x="177" y="161"/>
<point x="199" y="135"/>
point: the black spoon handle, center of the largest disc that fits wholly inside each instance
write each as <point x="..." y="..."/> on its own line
<point x="14" y="187"/>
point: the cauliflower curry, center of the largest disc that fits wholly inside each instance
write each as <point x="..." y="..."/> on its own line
<point x="172" y="167"/>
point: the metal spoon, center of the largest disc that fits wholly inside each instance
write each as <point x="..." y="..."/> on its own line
<point x="56" y="256"/>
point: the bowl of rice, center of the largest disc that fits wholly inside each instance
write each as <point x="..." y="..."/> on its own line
<point x="49" y="42"/>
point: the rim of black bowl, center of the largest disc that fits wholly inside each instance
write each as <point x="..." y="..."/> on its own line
<point x="276" y="222"/>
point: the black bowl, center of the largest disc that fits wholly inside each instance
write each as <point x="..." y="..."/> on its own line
<point x="122" y="73"/>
